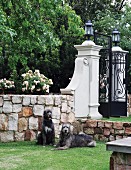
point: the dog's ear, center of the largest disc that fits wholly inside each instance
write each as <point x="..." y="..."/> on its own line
<point x="48" y="110"/>
<point x="71" y="127"/>
<point x="44" y="112"/>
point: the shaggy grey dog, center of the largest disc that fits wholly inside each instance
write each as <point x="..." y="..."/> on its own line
<point x="69" y="140"/>
<point x="47" y="135"/>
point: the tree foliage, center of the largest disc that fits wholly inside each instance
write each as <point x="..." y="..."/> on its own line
<point x="107" y="15"/>
<point x="88" y="10"/>
<point x="38" y="34"/>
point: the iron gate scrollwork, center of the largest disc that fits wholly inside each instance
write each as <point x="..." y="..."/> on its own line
<point x="119" y="84"/>
<point x="118" y="73"/>
<point x="104" y="76"/>
<point x="112" y="78"/>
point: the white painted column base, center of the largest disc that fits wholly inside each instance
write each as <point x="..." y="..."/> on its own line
<point x="93" y="112"/>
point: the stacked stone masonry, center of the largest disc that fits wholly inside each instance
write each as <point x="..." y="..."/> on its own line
<point x="21" y="118"/>
<point x="120" y="161"/>
<point x="21" y="115"/>
<point x="107" y="130"/>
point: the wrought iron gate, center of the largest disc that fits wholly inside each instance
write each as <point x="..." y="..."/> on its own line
<point x="112" y="79"/>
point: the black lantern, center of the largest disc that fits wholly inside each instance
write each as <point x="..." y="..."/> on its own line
<point x="115" y="36"/>
<point x="88" y="29"/>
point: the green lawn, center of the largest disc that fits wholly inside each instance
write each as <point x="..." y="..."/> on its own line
<point x="28" y="156"/>
<point x="118" y="119"/>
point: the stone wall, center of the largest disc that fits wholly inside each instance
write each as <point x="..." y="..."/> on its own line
<point x="21" y="118"/>
<point x="120" y="161"/>
<point x="106" y="130"/>
<point x="21" y="115"/>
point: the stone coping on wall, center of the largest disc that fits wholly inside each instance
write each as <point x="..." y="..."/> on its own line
<point x="121" y="145"/>
<point x="121" y="154"/>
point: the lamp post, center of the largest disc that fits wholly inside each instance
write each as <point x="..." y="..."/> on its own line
<point x="88" y="33"/>
<point x="115" y="36"/>
<point x="88" y="29"/>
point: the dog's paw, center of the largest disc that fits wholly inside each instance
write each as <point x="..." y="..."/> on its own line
<point x="92" y="144"/>
<point x="53" y="149"/>
<point x="44" y="146"/>
<point x="81" y="133"/>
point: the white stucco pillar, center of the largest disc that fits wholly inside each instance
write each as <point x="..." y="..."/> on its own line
<point x="84" y="84"/>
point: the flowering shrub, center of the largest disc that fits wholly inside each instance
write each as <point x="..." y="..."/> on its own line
<point x="6" y="84"/>
<point x="35" y="82"/>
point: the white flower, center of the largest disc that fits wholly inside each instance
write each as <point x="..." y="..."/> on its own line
<point x="23" y="75"/>
<point x="12" y="82"/>
<point x="26" y="83"/>
<point x="42" y="80"/>
<point x="37" y="71"/>
<point x="30" y="72"/>
<point x="50" y="81"/>
<point x="32" y="88"/>
<point x="27" y="75"/>
<point x="37" y="89"/>
<point x="42" y="76"/>
<point x="44" y="87"/>
<point x="47" y="90"/>
<point x="6" y="84"/>
<point x="36" y="82"/>
<point x="23" y="89"/>
<point x="47" y="86"/>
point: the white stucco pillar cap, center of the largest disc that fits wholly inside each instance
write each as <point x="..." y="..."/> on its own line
<point x="117" y="48"/>
<point x="88" y="43"/>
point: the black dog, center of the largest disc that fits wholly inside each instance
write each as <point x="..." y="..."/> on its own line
<point x="47" y="135"/>
<point x="69" y="140"/>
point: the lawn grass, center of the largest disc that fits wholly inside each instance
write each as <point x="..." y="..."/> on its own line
<point x="28" y="156"/>
<point x="118" y="119"/>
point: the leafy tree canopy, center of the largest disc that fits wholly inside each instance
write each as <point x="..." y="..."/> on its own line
<point x="40" y="34"/>
<point x="35" y="34"/>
